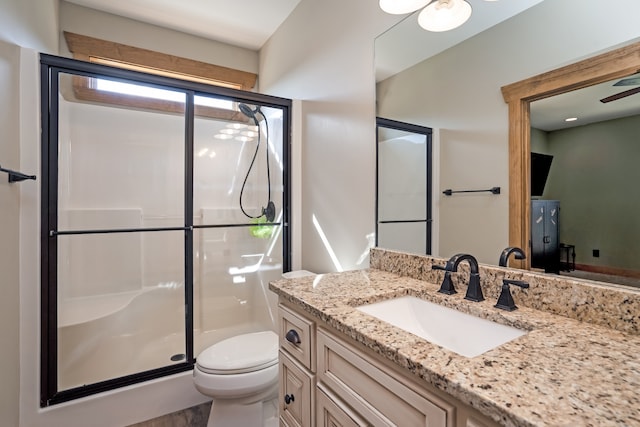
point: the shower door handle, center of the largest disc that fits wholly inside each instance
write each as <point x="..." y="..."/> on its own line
<point x="293" y="337"/>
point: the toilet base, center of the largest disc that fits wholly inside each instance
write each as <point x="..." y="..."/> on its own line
<point x="228" y="414"/>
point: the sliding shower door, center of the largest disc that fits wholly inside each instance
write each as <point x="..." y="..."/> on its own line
<point x="164" y="217"/>
<point x="403" y="187"/>
<point x="120" y="191"/>
<point x="238" y="176"/>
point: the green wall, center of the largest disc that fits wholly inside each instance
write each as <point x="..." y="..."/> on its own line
<point x="596" y="176"/>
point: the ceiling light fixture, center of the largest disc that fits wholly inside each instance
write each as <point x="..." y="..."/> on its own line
<point x="437" y="16"/>
<point x="571" y="119"/>
<point x="444" y="15"/>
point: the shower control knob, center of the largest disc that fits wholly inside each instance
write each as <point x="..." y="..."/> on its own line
<point x="288" y="398"/>
<point x="293" y="337"/>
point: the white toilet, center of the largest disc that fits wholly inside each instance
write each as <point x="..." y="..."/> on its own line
<point x="241" y="375"/>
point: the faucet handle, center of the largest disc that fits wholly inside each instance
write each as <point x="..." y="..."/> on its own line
<point x="447" y="285"/>
<point x="505" y="300"/>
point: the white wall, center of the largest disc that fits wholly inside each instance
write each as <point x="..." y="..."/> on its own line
<point x="323" y="55"/>
<point x="458" y="93"/>
<point x="32" y="24"/>
<point x="9" y="229"/>
<point x="102" y="25"/>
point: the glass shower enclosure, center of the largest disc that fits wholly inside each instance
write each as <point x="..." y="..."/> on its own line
<point x="403" y="186"/>
<point x="164" y="217"/>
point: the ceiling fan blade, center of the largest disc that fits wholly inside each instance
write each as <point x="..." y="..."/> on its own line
<point x="631" y="81"/>
<point x="620" y="95"/>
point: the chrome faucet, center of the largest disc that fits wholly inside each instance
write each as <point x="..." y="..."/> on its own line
<point x="504" y="256"/>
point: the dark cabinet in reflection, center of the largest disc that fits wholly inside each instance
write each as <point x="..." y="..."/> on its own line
<point x="545" y="235"/>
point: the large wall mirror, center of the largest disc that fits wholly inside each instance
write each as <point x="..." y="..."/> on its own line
<point x="484" y="137"/>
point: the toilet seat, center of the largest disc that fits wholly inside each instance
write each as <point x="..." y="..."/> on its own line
<point x="240" y="354"/>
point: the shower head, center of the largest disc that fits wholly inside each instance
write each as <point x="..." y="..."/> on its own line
<point x="247" y="111"/>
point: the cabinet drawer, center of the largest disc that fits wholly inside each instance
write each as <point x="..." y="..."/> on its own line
<point x="295" y="397"/>
<point x="301" y="333"/>
<point x="375" y="394"/>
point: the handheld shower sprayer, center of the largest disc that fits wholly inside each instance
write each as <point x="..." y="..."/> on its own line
<point x="268" y="211"/>
<point x="247" y="111"/>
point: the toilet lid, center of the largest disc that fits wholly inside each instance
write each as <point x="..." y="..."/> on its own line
<point x="239" y="354"/>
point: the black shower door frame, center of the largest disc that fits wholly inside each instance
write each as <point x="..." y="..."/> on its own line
<point x="51" y="68"/>
<point x="428" y="134"/>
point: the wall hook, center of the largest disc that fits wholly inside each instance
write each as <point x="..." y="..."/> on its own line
<point x="493" y="190"/>
<point x="15" y="176"/>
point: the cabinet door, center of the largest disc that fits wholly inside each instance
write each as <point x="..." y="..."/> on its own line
<point x="537" y="233"/>
<point x="552" y="233"/>
<point x="295" y="397"/>
<point x="331" y="412"/>
<point x="374" y="393"/>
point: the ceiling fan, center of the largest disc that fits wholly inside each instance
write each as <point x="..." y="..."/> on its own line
<point x="631" y="81"/>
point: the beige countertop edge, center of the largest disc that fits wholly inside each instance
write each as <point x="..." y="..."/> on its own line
<point x="562" y="373"/>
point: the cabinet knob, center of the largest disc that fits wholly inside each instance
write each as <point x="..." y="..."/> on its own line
<point x="288" y="398"/>
<point x="293" y="337"/>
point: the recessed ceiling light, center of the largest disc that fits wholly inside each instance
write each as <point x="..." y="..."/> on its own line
<point x="222" y="136"/>
<point x="571" y="119"/>
<point x="236" y="125"/>
<point x="229" y="131"/>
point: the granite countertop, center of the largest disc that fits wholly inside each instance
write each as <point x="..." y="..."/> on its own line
<point x="563" y="372"/>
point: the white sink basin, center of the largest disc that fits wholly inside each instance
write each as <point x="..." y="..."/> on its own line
<point x="462" y="333"/>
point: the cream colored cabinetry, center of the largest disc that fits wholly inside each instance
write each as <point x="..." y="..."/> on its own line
<point x="329" y="413"/>
<point x="297" y="369"/>
<point x="355" y="387"/>
<point x="296" y="393"/>
<point x="377" y="395"/>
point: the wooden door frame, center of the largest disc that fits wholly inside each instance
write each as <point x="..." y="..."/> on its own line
<point x="611" y="65"/>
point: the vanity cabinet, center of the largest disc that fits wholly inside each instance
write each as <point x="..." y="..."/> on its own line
<point x="297" y="361"/>
<point x="348" y="385"/>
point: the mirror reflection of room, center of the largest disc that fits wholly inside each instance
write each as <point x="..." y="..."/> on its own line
<point x="583" y="165"/>
<point x="455" y="89"/>
<point x="403" y="187"/>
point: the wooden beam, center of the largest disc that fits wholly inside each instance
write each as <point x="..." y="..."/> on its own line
<point x="102" y="51"/>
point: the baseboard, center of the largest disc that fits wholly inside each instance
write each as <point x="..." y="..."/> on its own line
<point x="603" y="269"/>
